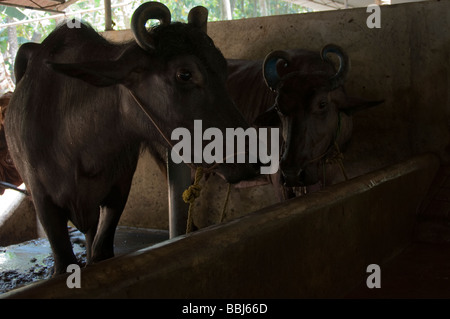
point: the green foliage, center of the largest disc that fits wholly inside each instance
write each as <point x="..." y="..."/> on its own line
<point x="14" y="12"/>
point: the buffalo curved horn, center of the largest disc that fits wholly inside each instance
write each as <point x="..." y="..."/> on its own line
<point x="270" y="72"/>
<point x="146" y="11"/>
<point x="198" y="17"/>
<point x="344" y="64"/>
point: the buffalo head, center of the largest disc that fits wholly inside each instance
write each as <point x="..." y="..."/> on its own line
<point x="312" y="107"/>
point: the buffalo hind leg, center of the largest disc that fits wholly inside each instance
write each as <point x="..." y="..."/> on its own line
<point x="90" y="236"/>
<point x="54" y="220"/>
<point x="111" y="210"/>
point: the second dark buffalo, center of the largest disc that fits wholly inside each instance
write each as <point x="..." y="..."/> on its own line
<point x="301" y="92"/>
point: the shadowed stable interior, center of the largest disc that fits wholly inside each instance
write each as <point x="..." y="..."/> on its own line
<point x="393" y="212"/>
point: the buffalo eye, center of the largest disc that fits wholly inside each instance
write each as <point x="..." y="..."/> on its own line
<point x="184" y="75"/>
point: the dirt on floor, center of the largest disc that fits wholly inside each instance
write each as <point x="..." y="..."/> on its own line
<point x="32" y="261"/>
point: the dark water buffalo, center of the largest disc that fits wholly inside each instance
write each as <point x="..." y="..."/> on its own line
<point x="84" y="108"/>
<point x="8" y="172"/>
<point x="301" y="92"/>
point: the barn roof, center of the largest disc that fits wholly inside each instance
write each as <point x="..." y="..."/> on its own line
<point x="45" y="5"/>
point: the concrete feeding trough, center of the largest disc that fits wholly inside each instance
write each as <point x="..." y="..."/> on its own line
<point x="317" y="246"/>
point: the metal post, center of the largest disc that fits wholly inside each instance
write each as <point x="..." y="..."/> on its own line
<point x="108" y="17"/>
<point x="179" y="179"/>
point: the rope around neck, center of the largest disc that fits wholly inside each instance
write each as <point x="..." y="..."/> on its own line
<point x="338" y="158"/>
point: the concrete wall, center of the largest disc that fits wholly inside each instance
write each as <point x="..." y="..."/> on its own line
<point x="406" y="62"/>
<point x="18" y="220"/>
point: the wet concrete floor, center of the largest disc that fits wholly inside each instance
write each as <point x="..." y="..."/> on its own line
<point x="32" y="261"/>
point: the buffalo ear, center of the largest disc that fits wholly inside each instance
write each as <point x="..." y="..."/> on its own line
<point x="269" y="118"/>
<point x="96" y="73"/>
<point x="354" y="104"/>
<point x="102" y="73"/>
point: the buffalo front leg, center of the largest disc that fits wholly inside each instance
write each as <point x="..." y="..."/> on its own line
<point x="54" y="220"/>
